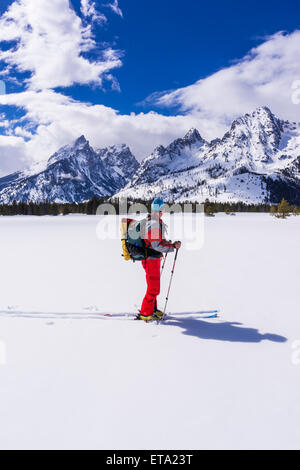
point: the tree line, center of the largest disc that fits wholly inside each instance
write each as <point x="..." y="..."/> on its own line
<point x="282" y="210"/>
<point x="51" y="208"/>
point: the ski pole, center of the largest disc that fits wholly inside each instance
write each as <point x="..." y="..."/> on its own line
<point x="163" y="264"/>
<point x="172" y="273"/>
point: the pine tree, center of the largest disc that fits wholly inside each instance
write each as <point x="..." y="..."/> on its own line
<point x="209" y="211"/>
<point x="284" y="209"/>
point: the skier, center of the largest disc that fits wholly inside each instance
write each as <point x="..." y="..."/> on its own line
<point x="154" y="238"/>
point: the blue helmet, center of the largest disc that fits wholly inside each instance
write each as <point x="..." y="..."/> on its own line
<point x="157" y="205"/>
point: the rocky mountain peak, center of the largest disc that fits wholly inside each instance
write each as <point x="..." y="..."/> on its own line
<point x="262" y="111"/>
<point x="81" y="141"/>
<point x="192" y="136"/>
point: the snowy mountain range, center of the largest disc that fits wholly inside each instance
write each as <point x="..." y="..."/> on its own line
<point x="257" y="160"/>
<point x="75" y="173"/>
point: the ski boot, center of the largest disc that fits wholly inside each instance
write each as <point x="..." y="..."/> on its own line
<point x="145" y="318"/>
<point x="158" y="315"/>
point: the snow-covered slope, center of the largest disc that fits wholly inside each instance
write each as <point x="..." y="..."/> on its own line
<point x="75" y="173"/>
<point x="73" y="380"/>
<point x="255" y="161"/>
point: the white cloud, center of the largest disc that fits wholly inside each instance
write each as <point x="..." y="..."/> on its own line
<point x="115" y="7"/>
<point x="11" y="152"/>
<point x="264" y="77"/>
<point x="89" y="10"/>
<point x="51" y="40"/>
<point x="60" y="120"/>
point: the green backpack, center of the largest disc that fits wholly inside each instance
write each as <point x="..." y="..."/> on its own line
<point x="133" y="240"/>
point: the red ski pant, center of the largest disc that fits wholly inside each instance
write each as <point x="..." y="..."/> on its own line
<point x="152" y="268"/>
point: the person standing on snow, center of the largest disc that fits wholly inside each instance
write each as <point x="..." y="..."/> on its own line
<point x="155" y="230"/>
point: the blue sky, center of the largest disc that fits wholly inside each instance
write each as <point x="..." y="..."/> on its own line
<point x="170" y="43"/>
<point x="159" y="48"/>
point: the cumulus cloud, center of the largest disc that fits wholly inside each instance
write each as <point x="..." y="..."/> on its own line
<point x="89" y="10"/>
<point x="11" y="151"/>
<point x="57" y="120"/>
<point x="115" y="7"/>
<point x="50" y="44"/>
<point x="264" y="77"/>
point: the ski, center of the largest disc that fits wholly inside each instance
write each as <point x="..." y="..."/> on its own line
<point x="195" y="314"/>
<point x="175" y="317"/>
<point x="208" y="314"/>
<point x="201" y="314"/>
<point x="205" y="314"/>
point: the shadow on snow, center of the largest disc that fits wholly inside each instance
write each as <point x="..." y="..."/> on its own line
<point x="223" y="331"/>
